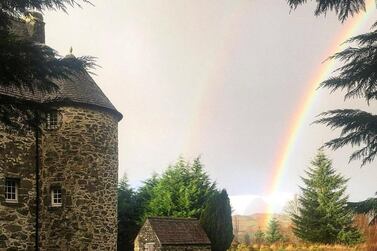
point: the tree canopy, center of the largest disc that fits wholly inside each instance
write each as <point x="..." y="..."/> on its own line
<point x="181" y="191"/>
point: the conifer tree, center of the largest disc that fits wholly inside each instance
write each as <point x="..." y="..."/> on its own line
<point x="128" y="213"/>
<point x="216" y="220"/>
<point x="273" y="233"/>
<point x="181" y="191"/>
<point x="259" y="237"/>
<point x="323" y="215"/>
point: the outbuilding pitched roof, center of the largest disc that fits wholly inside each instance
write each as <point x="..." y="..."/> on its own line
<point x="178" y="231"/>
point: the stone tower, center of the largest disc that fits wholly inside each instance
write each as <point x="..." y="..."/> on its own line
<point x="59" y="185"/>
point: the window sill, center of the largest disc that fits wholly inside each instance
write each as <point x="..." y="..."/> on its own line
<point x="11" y="203"/>
<point x="55" y="208"/>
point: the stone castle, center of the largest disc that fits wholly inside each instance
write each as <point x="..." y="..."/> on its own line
<point x="59" y="183"/>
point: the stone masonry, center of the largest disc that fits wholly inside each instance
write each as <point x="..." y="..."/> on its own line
<point x="81" y="157"/>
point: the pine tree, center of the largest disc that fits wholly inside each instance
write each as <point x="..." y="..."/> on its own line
<point x="357" y="76"/>
<point x="216" y="220"/>
<point x="273" y="233"/>
<point x="323" y="215"/>
<point x="259" y="237"/>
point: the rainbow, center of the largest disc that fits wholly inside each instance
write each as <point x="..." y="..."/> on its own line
<point x="351" y="28"/>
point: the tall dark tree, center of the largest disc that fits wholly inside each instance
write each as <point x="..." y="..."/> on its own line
<point x="364" y="207"/>
<point x="27" y="65"/>
<point x="357" y="76"/>
<point x="273" y="233"/>
<point x="128" y="213"/>
<point x="216" y="220"/>
<point x="131" y="210"/>
<point x="323" y="215"/>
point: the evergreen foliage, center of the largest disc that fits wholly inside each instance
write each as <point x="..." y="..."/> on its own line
<point x="259" y="237"/>
<point x="343" y="8"/>
<point x="273" y="233"/>
<point x="27" y="65"/>
<point x="364" y="207"/>
<point x="131" y="210"/>
<point x="323" y="214"/>
<point x="181" y="191"/>
<point x="128" y="215"/>
<point x="143" y="196"/>
<point x="357" y="76"/>
<point x="216" y="220"/>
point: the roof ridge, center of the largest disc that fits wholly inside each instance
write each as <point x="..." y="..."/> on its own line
<point x="172" y="218"/>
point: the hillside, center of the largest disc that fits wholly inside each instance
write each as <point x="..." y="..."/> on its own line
<point x="249" y="224"/>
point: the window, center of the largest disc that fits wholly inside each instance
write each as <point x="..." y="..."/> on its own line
<point x="56" y="197"/>
<point x="149" y="246"/>
<point x="11" y="190"/>
<point x="52" y="120"/>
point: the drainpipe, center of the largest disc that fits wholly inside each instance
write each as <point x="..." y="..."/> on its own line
<point x="37" y="185"/>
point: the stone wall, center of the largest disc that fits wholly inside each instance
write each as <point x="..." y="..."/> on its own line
<point x="186" y="248"/>
<point x="146" y="235"/>
<point x="17" y="160"/>
<point x="81" y="157"/>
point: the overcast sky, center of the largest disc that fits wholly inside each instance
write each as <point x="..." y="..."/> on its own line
<point x="217" y="78"/>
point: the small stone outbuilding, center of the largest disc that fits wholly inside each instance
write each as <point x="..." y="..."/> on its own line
<point x="165" y="233"/>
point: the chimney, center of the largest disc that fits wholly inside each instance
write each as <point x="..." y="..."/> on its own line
<point x="35" y="26"/>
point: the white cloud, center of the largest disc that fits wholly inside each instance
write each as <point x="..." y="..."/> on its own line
<point x="251" y="203"/>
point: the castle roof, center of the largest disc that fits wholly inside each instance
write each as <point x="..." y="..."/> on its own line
<point x="77" y="89"/>
<point x="178" y="231"/>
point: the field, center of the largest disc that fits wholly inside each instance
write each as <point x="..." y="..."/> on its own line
<point x="303" y="247"/>
<point x="248" y="225"/>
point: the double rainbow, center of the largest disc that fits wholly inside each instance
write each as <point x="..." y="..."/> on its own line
<point x="350" y="28"/>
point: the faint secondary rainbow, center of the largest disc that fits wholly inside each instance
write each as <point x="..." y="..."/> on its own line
<point x="350" y="28"/>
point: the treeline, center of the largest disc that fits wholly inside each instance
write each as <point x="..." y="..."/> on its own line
<point x="321" y="214"/>
<point x="182" y="190"/>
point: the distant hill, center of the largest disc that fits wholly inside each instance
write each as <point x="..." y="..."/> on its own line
<point x="250" y="223"/>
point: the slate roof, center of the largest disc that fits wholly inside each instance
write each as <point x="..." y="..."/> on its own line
<point x="78" y="89"/>
<point x="178" y="231"/>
